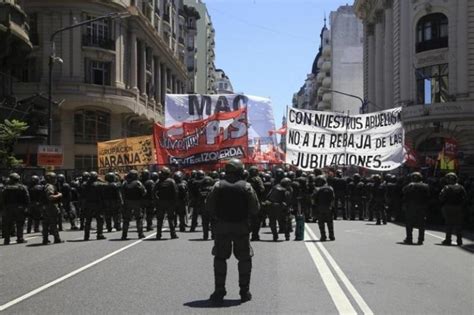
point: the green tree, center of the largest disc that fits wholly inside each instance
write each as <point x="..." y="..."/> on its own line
<point x="10" y="131"/>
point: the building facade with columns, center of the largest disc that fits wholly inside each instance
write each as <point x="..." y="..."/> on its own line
<point x="205" y="44"/>
<point x="419" y="54"/>
<point x="337" y="67"/>
<point x="114" y="74"/>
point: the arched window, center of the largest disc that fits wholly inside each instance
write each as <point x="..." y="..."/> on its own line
<point x="91" y="126"/>
<point x="432" y="32"/>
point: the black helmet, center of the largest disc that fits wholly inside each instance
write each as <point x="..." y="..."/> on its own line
<point x="279" y="174"/>
<point x="356" y="177"/>
<point x="416" y="177"/>
<point x="94" y="176"/>
<point x="317" y="172"/>
<point x="291" y="175"/>
<point x="50" y="177"/>
<point x="299" y="173"/>
<point x="110" y="177"/>
<point x="164" y="173"/>
<point x="222" y="175"/>
<point x="253" y="171"/>
<point x="145" y="175"/>
<point x="320" y="180"/>
<point x="132" y="175"/>
<point x="35" y="179"/>
<point x="86" y="176"/>
<point x="154" y="176"/>
<point x="234" y="166"/>
<point x="338" y="173"/>
<point x="61" y="178"/>
<point x="14" y="178"/>
<point x="193" y="173"/>
<point x="214" y="175"/>
<point x="178" y="176"/>
<point x="208" y="181"/>
<point x="451" y="178"/>
<point x="200" y="174"/>
<point x="245" y="174"/>
<point x="285" y="182"/>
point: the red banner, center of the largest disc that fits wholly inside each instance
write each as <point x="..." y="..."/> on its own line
<point x="450" y="148"/>
<point x="204" y="142"/>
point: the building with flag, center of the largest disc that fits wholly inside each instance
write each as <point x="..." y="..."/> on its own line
<point x="419" y="55"/>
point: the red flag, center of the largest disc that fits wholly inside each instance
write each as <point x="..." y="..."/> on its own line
<point x="280" y="131"/>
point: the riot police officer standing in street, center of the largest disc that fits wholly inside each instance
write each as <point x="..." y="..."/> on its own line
<point x="323" y="198"/>
<point x="278" y="205"/>
<point x="113" y="202"/>
<point x="133" y="193"/>
<point x="257" y="184"/>
<point x="232" y="202"/>
<point x="453" y="197"/>
<point x="93" y="207"/>
<point x="181" y="213"/>
<point x="15" y="201"/>
<point x="165" y="195"/>
<point x="415" y="197"/>
<point x="148" y="204"/>
<point x="36" y="191"/>
<point x="52" y="199"/>
<point x="65" y="189"/>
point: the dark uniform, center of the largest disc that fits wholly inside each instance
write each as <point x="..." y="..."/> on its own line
<point x="165" y="195"/>
<point x="15" y="200"/>
<point x="66" y="210"/>
<point x="267" y="184"/>
<point x="257" y="184"/>
<point x="93" y="206"/>
<point x="207" y="220"/>
<point x="278" y="206"/>
<point x="133" y="193"/>
<point x="415" y="197"/>
<point x="393" y="198"/>
<point x="194" y="185"/>
<point x="232" y="202"/>
<point x="113" y="202"/>
<point x="339" y="186"/>
<point x="356" y="192"/>
<point x="323" y="199"/>
<point x="36" y="192"/>
<point x="148" y="203"/>
<point x="377" y="200"/>
<point x="181" y="212"/>
<point x="453" y="198"/>
<point x="52" y="198"/>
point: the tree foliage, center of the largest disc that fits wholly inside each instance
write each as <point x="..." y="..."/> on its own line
<point x="10" y="131"/>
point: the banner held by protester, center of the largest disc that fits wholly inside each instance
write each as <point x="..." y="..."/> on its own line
<point x="318" y="139"/>
<point x="221" y="136"/>
<point x="121" y="155"/>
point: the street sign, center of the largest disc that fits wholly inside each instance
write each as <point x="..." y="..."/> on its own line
<point x="50" y="155"/>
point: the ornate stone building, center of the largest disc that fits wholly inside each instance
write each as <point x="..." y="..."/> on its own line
<point x="113" y="75"/>
<point x="222" y="85"/>
<point x="419" y="54"/>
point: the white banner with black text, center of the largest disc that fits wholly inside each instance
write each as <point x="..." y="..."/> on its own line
<point x="318" y="139"/>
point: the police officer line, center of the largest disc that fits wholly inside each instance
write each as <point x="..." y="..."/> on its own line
<point x="339" y="297"/>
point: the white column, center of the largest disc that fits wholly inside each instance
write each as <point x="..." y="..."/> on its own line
<point x="371" y="66"/>
<point x="405" y="67"/>
<point x="142" y="67"/>
<point x="388" y="57"/>
<point x="119" y="58"/>
<point x="379" y="62"/>
<point x="133" y="61"/>
<point x="153" y="84"/>
<point x="462" y="88"/>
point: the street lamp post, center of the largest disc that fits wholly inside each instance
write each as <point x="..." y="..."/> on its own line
<point x="53" y="59"/>
<point x="364" y="102"/>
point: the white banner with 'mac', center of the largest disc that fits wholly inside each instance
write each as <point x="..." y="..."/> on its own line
<point x="322" y="139"/>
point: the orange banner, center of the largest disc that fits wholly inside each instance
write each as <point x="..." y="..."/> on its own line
<point x="205" y="142"/>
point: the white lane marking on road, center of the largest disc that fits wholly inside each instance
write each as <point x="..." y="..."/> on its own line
<point x="338" y="296"/>
<point x="352" y="290"/>
<point x="434" y="235"/>
<point x="69" y="275"/>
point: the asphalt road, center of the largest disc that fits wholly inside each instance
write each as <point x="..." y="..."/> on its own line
<point x="365" y="271"/>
